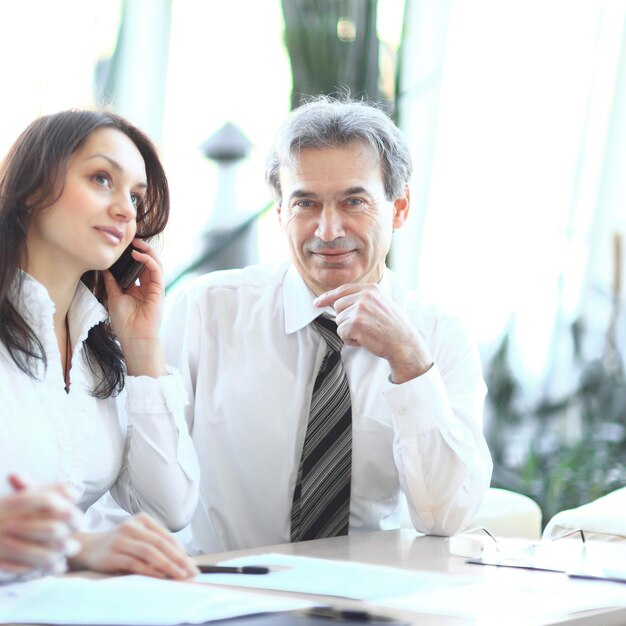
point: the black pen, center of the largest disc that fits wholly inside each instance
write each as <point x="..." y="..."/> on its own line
<point x="225" y="569"/>
<point x="349" y="615"/>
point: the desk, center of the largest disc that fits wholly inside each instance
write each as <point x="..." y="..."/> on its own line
<point x="407" y="549"/>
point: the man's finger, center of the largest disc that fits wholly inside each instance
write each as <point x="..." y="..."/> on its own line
<point x="330" y="297"/>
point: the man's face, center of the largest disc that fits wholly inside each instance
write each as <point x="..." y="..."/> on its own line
<point x="336" y="216"/>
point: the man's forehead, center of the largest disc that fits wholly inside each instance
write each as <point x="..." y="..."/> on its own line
<point x="306" y="191"/>
<point x="336" y="159"/>
<point x="359" y="149"/>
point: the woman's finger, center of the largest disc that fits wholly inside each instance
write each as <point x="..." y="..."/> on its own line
<point x="167" y="544"/>
<point x="139" y="546"/>
<point x="31" y="553"/>
<point x="15" y="567"/>
<point x="111" y="285"/>
<point x="145" y="248"/>
<point x="159" y="549"/>
<point x="18" y="482"/>
<point x="45" y="502"/>
<point x="130" y="563"/>
<point x="145" y="552"/>
<point x="37" y="529"/>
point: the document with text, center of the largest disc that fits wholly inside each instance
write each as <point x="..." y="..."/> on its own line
<point x="130" y="601"/>
<point x="358" y="581"/>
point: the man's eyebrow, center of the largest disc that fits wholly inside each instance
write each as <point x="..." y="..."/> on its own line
<point x="350" y="191"/>
<point x="302" y="193"/>
<point x="115" y="165"/>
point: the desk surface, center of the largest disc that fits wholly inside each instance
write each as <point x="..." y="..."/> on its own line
<point x="407" y="549"/>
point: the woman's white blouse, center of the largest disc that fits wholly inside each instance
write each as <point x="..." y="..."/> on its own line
<point x="136" y="444"/>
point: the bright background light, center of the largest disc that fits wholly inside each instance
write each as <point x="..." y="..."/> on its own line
<point x="526" y="91"/>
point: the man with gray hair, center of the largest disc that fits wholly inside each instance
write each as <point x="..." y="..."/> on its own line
<point x="324" y="395"/>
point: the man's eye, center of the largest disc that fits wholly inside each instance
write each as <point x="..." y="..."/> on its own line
<point x="354" y="203"/>
<point x="304" y="204"/>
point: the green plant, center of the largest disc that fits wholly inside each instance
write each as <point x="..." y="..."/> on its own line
<point x="558" y="471"/>
<point x="562" y="469"/>
<point x="333" y="47"/>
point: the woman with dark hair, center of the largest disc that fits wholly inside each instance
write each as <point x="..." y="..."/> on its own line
<point x="87" y="403"/>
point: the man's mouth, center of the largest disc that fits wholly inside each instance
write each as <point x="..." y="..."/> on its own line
<point x="334" y="256"/>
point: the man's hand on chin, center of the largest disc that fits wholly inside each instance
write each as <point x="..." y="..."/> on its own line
<point x="367" y="317"/>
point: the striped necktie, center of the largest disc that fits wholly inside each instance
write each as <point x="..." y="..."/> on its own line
<point x="321" y="502"/>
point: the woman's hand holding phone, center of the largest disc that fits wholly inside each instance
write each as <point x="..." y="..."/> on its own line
<point x="136" y="313"/>
<point x="126" y="270"/>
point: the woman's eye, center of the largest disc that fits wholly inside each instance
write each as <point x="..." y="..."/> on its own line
<point x="135" y="199"/>
<point x="102" y="179"/>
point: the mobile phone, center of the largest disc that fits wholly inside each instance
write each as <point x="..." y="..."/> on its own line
<point x="126" y="270"/>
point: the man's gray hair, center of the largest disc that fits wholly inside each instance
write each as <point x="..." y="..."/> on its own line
<point x="327" y="122"/>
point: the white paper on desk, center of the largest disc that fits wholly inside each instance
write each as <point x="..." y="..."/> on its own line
<point x="601" y="560"/>
<point x="330" y="578"/>
<point x="557" y="556"/>
<point x="522" y="598"/>
<point x="129" y="600"/>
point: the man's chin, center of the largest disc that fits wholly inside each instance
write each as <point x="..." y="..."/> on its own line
<point x="331" y="278"/>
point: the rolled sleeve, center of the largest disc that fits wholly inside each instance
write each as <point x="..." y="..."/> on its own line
<point x="442" y="458"/>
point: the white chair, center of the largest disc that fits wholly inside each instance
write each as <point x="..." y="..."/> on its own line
<point x="602" y="519"/>
<point x="509" y="514"/>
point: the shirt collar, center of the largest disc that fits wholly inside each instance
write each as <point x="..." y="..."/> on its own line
<point x="298" y="300"/>
<point x="37" y="308"/>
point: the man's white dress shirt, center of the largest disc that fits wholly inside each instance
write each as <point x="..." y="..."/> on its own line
<point x="136" y="444"/>
<point x="248" y="354"/>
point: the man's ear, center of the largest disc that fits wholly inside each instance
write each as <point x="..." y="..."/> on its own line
<point x="401" y="208"/>
<point x="279" y="214"/>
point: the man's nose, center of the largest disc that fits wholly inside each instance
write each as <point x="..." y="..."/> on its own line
<point x="330" y="224"/>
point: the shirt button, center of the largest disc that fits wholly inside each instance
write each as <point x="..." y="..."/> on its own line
<point x="401" y="412"/>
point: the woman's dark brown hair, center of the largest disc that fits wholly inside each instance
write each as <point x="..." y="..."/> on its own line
<point x="31" y="178"/>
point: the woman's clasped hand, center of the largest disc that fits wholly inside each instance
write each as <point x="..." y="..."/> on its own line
<point x="39" y="534"/>
<point x="37" y="527"/>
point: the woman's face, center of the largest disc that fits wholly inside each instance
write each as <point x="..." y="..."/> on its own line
<point x="94" y="218"/>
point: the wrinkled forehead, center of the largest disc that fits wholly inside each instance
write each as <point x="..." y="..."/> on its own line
<point x="291" y="160"/>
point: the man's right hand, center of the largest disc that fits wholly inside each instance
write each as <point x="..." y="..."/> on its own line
<point x="36" y="528"/>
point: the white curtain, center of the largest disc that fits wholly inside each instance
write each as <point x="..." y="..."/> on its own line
<point x="136" y="80"/>
<point x="516" y="112"/>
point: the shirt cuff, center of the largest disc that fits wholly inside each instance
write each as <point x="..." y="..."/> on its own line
<point x="164" y="394"/>
<point x="424" y="396"/>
